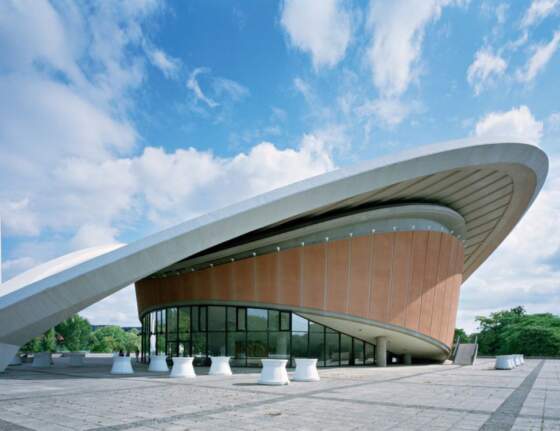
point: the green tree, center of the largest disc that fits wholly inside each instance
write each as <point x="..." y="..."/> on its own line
<point x="515" y="331"/>
<point x="461" y="335"/>
<point x="108" y="339"/>
<point x="75" y="333"/>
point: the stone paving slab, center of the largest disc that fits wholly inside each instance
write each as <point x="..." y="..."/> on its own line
<point x="428" y="397"/>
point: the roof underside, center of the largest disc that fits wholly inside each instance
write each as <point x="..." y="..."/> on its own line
<point x="482" y="196"/>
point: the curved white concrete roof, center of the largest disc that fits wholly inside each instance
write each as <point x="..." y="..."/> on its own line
<point x="490" y="184"/>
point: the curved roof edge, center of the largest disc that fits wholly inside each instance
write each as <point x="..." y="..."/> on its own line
<point x="29" y="309"/>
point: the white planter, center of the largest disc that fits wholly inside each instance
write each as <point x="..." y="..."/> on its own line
<point x="158" y="364"/>
<point x="522" y="358"/>
<point x="16" y="360"/>
<point x="122" y="365"/>
<point x="220" y="366"/>
<point x="516" y="360"/>
<point x="505" y="362"/>
<point x="41" y="360"/>
<point x="76" y="359"/>
<point x="306" y="370"/>
<point x="182" y="367"/>
<point x="274" y="372"/>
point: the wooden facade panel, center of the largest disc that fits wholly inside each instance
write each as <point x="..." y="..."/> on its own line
<point x="337" y="275"/>
<point x="445" y="255"/>
<point x="289" y="276"/>
<point x="266" y="278"/>
<point x="243" y="280"/>
<point x="430" y="282"/>
<point x="409" y="279"/>
<point x="360" y="276"/>
<point x="381" y="276"/>
<point x="414" y="302"/>
<point x="313" y="274"/>
<point x="400" y="280"/>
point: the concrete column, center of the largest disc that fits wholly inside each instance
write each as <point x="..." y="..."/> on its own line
<point x="407" y="359"/>
<point x="381" y="351"/>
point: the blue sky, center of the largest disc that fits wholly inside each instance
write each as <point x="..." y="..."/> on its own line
<point x="120" y="118"/>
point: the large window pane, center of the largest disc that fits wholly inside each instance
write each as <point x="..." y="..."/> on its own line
<point x="216" y="318"/>
<point x="256" y="319"/>
<point x="284" y="321"/>
<point x="333" y="350"/>
<point x="199" y="348"/>
<point x="315" y="327"/>
<point x="171" y="349"/>
<point x="299" y="324"/>
<point x="231" y="318"/>
<point x="162" y="317"/>
<point x="237" y="348"/>
<point x="171" y="320"/>
<point x="345" y="349"/>
<point x="153" y="326"/>
<point x="194" y="319"/>
<point x="184" y="319"/>
<point x="160" y="344"/>
<point x="358" y="352"/>
<point x="241" y="319"/>
<point x="216" y="343"/>
<point x="317" y="347"/>
<point x="273" y="320"/>
<point x="299" y="344"/>
<point x="202" y="311"/>
<point x="184" y="348"/>
<point x="279" y="345"/>
<point x="256" y="348"/>
<point x="370" y="354"/>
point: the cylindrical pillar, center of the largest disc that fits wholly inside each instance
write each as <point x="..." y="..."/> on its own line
<point x="381" y="351"/>
<point x="407" y="359"/>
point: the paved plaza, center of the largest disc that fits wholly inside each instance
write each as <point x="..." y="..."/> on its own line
<point x="428" y="397"/>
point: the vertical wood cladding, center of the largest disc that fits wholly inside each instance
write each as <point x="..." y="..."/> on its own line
<point x="409" y="279"/>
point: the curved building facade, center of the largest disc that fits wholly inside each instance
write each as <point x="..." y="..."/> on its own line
<point x="344" y="266"/>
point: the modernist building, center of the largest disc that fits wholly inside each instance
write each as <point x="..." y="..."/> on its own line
<point x="347" y="267"/>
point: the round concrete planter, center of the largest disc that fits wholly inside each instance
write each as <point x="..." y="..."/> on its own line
<point x="505" y="362"/>
<point x="182" y="367"/>
<point x="42" y="360"/>
<point x="220" y="366"/>
<point x="122" y="365"/>
<point x="274" y="372"/>
<point x="306" y="370"/>
<point x="158" y="364"/>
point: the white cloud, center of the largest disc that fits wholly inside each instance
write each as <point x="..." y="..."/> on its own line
<point x="397" y="33"/>
<point x="226" y="90"/>
<point x="322" y="28"/>
<point x="194" y="86"/>
<point x="117" y="309"/>
<point x="518" y="122"/>
<point x="484" y="68"/>
<point x="553" y="121"/>
<point x="538" y="11"/>
<point x="169" y="66"/>
<point x="541" y="56"/>
<point x="389" y="112"/>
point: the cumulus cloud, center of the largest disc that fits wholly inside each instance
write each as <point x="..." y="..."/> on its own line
<point x="396" y="44"/>
<point x="322" y="28"/>
<point x="539" y="59"/>
<point x="538" y="10"/>
<point x="485" y="67"/>
<point x="517" y="122"/>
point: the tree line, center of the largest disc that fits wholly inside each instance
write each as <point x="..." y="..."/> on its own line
<point x="514" y="331"/>
<point x="76" y="334"/>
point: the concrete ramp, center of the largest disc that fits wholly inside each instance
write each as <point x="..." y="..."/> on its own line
<point x="465" y="354"/>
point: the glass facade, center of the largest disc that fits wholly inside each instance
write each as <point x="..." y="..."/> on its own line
<point x="247" y="335"/>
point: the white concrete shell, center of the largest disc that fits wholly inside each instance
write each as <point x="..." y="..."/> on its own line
<point x="490" y="184"/>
